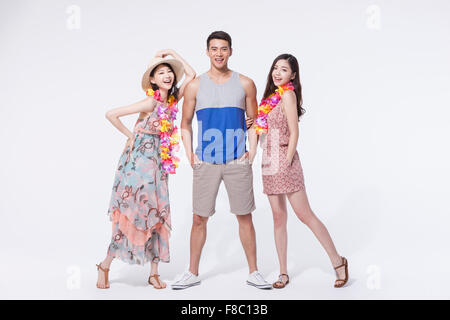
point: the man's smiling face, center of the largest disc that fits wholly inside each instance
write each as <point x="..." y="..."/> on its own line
<point x="218" y="52"/>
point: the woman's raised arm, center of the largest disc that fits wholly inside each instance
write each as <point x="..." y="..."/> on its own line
<point x="188" y="70"/>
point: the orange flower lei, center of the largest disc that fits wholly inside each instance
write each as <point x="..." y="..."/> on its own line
<point x="267" y="105"/>
<point x="168" y="132"/>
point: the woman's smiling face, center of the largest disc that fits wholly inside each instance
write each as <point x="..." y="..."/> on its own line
<point x="163" y="77"/>
<point x="282" y="73"/>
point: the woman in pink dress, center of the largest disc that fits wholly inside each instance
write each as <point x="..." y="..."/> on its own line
<point x="139" y="206"/>
<point x="277" y="123"/>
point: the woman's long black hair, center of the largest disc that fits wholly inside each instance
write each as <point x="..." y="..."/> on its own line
<point x="270" y="86"/>
<point x="174" y="90"/>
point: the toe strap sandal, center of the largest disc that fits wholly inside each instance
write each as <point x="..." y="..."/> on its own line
<point x="342" y="282"/>
<point x="105" y="271"/>
<point x="279" y="284"/>
<point x="156" y="277"/>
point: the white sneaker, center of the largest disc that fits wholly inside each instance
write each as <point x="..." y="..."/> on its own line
<point x="257" y="280"/>
<point x="187" y="280"/>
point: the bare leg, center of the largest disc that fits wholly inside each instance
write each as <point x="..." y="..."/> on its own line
<point x="154" y="270"/>
<point x="105" y="264"/>
<point x="279" y="211"/>
<point x="248" y="239"/>
<point x="198" y="238"/>
<point x="300" y="205"/>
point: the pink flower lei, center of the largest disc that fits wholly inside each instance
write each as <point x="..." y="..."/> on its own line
<point x="168" y="132"/>
<point x="267" y="105"/>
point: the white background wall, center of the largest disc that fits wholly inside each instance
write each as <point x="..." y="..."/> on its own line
<point x="373" y="143"/>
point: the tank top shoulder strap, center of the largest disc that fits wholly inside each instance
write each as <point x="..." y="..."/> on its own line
<point x="235" y="76"/>
<point x="236" y="80"/>
<point x="204" y="79"/>
<point x="204" y="82"/>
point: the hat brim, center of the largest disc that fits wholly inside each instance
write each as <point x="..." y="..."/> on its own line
<point x="176" y="65"/>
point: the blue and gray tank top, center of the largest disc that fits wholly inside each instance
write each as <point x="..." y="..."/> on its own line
<point x="220" y="110"/>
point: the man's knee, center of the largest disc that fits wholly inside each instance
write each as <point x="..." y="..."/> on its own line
<point x="245" y="220"/>
<point x="199" y="221"/>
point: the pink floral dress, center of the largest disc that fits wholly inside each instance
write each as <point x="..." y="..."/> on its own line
<point x="139" y="207"/>
<point x="278" y="175"/>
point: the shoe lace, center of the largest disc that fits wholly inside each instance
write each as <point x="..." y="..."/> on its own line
<point x="260" y="277"/>
<point x="185" y="276"/>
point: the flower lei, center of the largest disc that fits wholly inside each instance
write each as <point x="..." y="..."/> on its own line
<point x="267" y="105"/>
<point x="168" y="133"/>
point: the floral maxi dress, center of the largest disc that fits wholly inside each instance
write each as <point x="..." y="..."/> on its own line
<point x="139" y="207"/>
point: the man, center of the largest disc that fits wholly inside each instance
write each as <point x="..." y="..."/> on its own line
<point x="220" y="98"/>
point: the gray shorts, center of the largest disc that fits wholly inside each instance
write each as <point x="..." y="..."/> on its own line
<point x="238" y="178"/>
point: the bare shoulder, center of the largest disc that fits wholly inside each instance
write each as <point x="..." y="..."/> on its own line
<point x="192" y="87"/>
<point x="246" y="82"/>
<point x="289" y="103"/>
<point x="149" y="104"/>
<point x="289" y="97"/>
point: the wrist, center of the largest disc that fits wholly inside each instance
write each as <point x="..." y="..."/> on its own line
<point x="190" y="156"/>
<point x="289" y="159"/>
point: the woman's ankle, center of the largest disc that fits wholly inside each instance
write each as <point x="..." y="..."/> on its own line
<point x="106" y="264"/>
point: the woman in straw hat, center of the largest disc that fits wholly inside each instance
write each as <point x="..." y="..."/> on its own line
<point x="139" y="207"/>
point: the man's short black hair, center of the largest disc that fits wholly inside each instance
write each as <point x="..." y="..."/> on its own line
<point x="218" y="35"/>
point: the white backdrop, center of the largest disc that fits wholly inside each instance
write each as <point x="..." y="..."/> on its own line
<point x="375" y="78"/>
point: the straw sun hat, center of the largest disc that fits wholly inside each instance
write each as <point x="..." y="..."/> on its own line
<point x="176" y="65"/>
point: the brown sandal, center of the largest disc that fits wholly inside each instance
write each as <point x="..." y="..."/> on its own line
<point x="280" y="281"/>
<point x="157" y="281"/>
<point x="105" y="271"/>
<point x="343" y="281"/>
